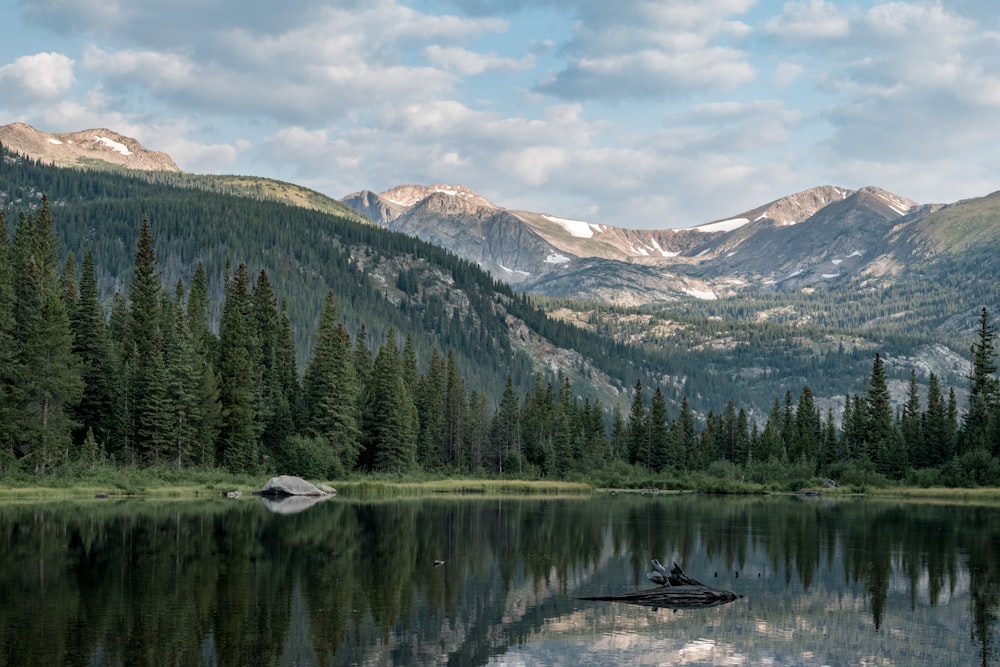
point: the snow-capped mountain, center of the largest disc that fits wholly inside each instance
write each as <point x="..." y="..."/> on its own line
<point x="811" y="238"/>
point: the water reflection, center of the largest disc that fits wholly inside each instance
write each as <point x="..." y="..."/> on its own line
<point x="231" y="583"/>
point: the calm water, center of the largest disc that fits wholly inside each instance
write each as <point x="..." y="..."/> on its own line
<point x="345" y="582"/>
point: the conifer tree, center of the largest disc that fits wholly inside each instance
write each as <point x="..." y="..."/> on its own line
<point x="879" y="430"/>
<point x="46" y="372"/>
<point x="182" y="382"/>
<point x="937" y="441"/>
<point x="238" y="449"/>
<point x="273" y="407"/>
<point x="910" y="423"/>
<point x="658" y="454"/>
<point x="96" y="411"/>
<point x="686" y="434"/>
<point x="619" y="435"/>
<point x="147" y="379"/>
<point x="505" y="433"/>
<point x="204" y="340"/>
<point x="330" y="390"/>
<point x="806" y="437"/>
<point x="430" y="400"/>
<point x="390" y="414"/>
<point x="637" y="427"/>
<point x="980" y="425"/>
<point x="454" y="407"/>
<point x="8" y="359"/>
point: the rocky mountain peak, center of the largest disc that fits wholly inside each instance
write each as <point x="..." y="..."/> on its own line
<point x="82" y="148"/>
<point x="410" y="195"/>
<point x="798" y="207"/>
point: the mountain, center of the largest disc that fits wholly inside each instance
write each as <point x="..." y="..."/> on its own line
<point x="100" y="149"/>
<point x="816" y="238"/>
<point x="800" y="291"/>
<point x="88" y="148"/>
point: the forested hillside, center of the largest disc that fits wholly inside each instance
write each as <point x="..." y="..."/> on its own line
<point x="151" y="381"/>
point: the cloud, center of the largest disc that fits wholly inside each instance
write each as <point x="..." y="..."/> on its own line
<point x="899" y="99"/>
<point x="39" y="77"/>
<point x="815" y="19"/>
<point x="469" y="63"/>
<point x="648" y="50"/>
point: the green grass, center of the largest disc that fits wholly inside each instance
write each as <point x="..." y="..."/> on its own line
<point x="380" y="488"/>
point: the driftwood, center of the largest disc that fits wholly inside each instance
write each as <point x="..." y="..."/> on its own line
<point x="677" y="591"/>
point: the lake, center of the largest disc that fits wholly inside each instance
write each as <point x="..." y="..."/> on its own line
<point x="346" y="582"/>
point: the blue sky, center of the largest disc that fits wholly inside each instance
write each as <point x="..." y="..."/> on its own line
<point x="634" y="113"/>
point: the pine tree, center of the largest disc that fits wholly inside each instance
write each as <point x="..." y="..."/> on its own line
<point x="880" y="434"/>
<point x="806" y="437"/>
<point x="182" y="382"/>
<point x="8" y="359"/>
<point x="980" y="425"/>
<point x="910" y="423"/>
<point x="237" y="444"/>
<point x="46" y="372"/>
<point x="389" y="418"/>
<point x="658" y="454"/>
<point x="505" y="433"/>
<point x="147" y="378"/>
<point x="205" y="342"/>
<point x="92" y="345"/>
<point x="273" y="407"/>
<point x="937" y="441"/>
<point x="431" y="407"/>
<point x="454" y="407"/>
<point x="330" y="390"/>
<point x="637" y="427"/>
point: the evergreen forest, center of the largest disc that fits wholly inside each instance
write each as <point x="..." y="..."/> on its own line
<point x="177" y="374"/>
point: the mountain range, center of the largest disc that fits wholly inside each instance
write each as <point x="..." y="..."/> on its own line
<point x="818" y="238"/>
<point x="801" y="290"/>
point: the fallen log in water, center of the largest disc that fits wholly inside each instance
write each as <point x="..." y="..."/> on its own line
<point x="677" y="591"/>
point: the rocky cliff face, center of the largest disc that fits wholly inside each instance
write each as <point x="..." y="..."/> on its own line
<point x="87" y="148"/>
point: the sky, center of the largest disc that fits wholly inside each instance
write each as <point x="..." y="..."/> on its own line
<point x="645" y="114"/>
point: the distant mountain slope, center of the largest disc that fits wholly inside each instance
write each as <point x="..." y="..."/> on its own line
<point x="87" y="148"/>
<point x="105" y="149"/>
<point x="817" y="238"/>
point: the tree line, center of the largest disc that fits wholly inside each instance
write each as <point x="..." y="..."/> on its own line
<point x="151" y="383"/>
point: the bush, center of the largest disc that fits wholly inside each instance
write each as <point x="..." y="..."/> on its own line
<point x="310" y="458"/>
<point x="975" y="468"/>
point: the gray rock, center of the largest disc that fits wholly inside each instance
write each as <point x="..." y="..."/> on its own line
<point x="289" y="485"/>
<point x="329" y="490"/>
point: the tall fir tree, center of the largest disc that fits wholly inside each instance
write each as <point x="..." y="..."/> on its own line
<point x="8" y="359"/>
<point x="96" y="411"/>
<point x="658" y="453"/>
<point x="506" y="429"/>
<point x="46" y="372"/>
<point x="980" y="424"/>
<point x="330" y="390"/>
<point x="638" y="431"/>
<point x="390" y="414"/>
<point x="147" y="377"/>
<point x="237" y="444"/>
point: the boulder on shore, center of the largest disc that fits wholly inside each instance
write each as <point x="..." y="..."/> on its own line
<point x="289" y="485"/>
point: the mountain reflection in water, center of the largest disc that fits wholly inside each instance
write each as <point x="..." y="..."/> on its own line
<point x="344" y="582"/>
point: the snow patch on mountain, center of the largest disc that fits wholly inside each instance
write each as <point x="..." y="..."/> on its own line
<point x="556" y="258"/>
<point x="114" y="145"/>
<point x="577" y="228"/>
<point x="722" y="225"/>
<point x="704" y="295"/>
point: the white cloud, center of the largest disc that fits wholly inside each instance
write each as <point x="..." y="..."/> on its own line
<point x="42" y="76"/>
<point x="466" y="62"/>
<point x="816" y="19"/>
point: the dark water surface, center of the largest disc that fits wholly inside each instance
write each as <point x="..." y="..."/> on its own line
<point x="223" y="582"/>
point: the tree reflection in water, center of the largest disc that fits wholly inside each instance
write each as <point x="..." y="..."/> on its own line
<point x="344" y="582"/>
